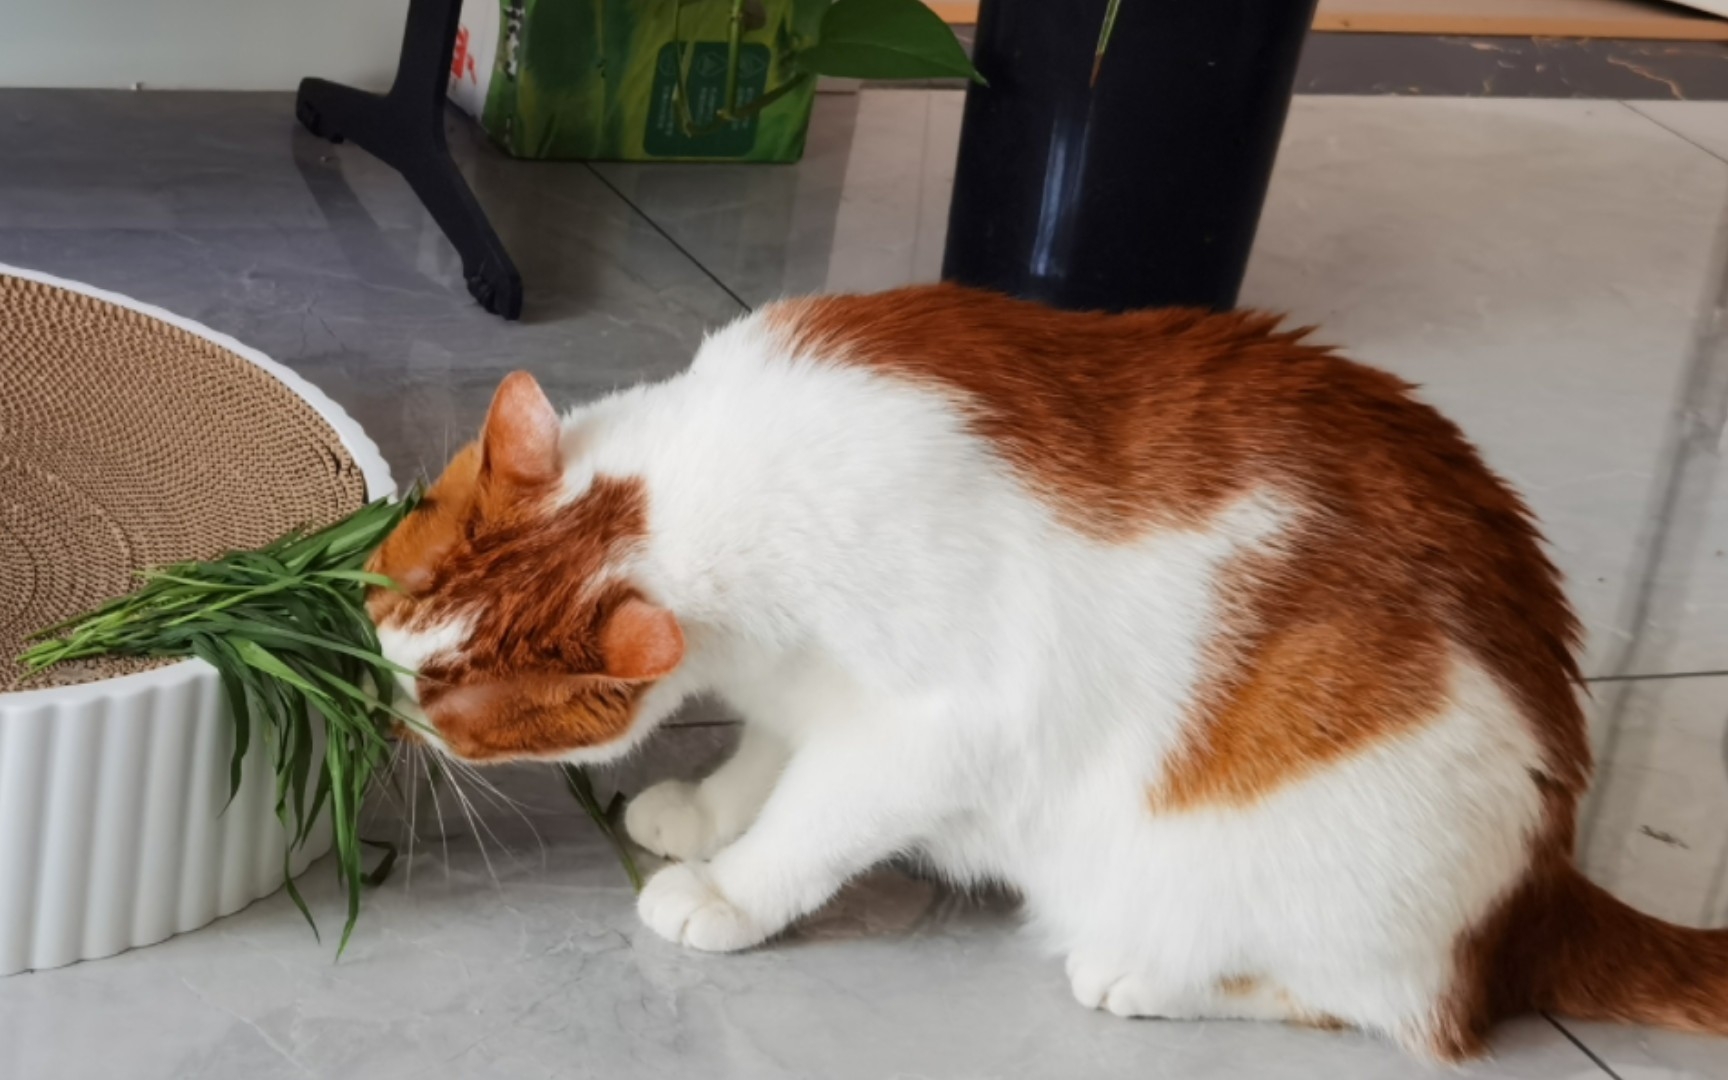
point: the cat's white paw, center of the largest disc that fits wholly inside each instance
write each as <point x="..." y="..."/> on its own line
<point x="682" y="906"/>
<point x="668" y="820"/>
<point x="1104" y="985"/>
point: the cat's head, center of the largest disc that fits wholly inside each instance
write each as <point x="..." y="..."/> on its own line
<point x="517" y="607"/>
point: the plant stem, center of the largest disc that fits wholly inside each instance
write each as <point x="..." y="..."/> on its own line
<point x="755" y="106"/>
<point x="583" y="789"/>
<point x="1104" y="33"/>
<point x="681" y="89"/>
<point x="734" y="45"/>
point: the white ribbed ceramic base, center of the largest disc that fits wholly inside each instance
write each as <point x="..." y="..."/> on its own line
<point x="112" y="827"/>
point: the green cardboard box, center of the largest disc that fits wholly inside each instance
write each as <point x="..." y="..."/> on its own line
<point x="596" y="79"/>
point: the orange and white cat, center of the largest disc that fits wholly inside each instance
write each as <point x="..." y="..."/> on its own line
<point x="1226" y="652"/>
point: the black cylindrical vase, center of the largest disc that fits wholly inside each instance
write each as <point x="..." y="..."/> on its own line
<point x="1141" y="190"/>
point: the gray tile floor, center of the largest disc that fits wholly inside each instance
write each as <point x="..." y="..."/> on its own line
<point x="1548" y="270"/>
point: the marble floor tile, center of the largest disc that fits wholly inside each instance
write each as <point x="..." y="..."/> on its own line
<point x="134" y="1020"/>
<point x="1640" y="1054"/>
<point x="1704" y="123"/>
<point x="1655" y="827"/>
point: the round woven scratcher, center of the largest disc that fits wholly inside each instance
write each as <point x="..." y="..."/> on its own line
<point x="126" y="443"/>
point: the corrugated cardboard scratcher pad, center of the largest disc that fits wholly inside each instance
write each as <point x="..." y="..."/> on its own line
<point x="128" y="442"/>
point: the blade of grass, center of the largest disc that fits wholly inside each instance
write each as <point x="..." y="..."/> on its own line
<point x="210" y="651"/>
<point x="1104" y="32"/>
<point x="577" y="780"/>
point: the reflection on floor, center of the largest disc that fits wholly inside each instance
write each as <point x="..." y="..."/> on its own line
<point x="1547" y="270"/>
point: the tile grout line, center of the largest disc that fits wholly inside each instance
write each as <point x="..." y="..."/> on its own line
<point x="1688" y="443"/>
<point x="1688" y="140"/>
<point x="1579" y="1043"/>
<point x="655" y="225"/>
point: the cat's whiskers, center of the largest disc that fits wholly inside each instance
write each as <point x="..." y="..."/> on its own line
<point x="490" y="788"/>
<point x="478" y="817"/>
<point x="390" y="766"/>
<point x="475" y="825"/>
<point x="385" y="781"/>
<point x="438" y="812"/>
<point x="381" y="798"/>
<point x="498" y="798"/>
<point x="412" y="752"/>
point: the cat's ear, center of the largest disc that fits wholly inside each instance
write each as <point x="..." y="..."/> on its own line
<point x="520" y="445"/>
<point x="641" y="641"/>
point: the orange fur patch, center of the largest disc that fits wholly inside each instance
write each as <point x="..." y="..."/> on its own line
<point x="1128" y="423"/>
<point x="560" y="648"/>
<point x="1563" y="944"/>
<point x="641" y="641"/>
<point x="1306" y="679"/>
<point x="535" y="587"/>
<point x="1320" y="1022"/>
<point x="528" y="714"/>
<point x="1301" y="1017"/>
<point x="1105" y="417"/>
<point x="412" y="553"/>
<point x="1238" y="985"/>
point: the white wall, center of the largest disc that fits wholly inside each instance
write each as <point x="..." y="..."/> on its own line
<point x="198" y="44"/>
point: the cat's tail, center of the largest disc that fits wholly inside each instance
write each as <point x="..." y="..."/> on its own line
<point x="1601" y="959"/>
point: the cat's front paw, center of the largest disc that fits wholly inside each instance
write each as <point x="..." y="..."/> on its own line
<point x="669" y="820"/>
<point x="683" y="906"/>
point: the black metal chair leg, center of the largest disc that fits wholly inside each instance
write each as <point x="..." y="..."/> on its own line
<point x="405" y="129"/>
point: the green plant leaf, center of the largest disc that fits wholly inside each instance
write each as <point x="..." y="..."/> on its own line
<point x="294" y="893"/>
<point x="261" y="658"/>
<point x="280" y="638"/>
<point x="360" y="577"/>
<point x="1104" y="33"/>
<point x="306" y="817"/>
<point x="211" y="651"/>
<point x="604" y="818"/>
<point x="885" y="39"/>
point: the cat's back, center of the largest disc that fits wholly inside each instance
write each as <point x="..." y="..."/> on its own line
<point x="1128" y="422"/>
<point x="1390" y="535"/>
